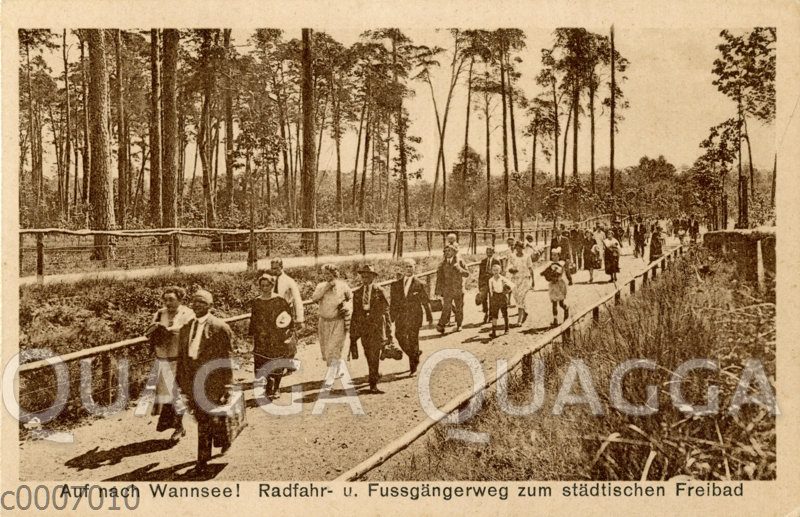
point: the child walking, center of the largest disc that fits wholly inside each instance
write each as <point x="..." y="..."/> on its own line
<point x="554" y="274"/>
<point x="499" y="287"/>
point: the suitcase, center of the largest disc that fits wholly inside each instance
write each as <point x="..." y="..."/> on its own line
<point x="228" y="421"/>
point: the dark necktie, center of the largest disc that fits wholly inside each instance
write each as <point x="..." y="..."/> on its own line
<point x="275" y="289"/>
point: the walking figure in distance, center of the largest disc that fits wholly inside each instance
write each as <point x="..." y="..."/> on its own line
<point x="557" y="286"/>
<point x="520" y="266"/>
<point x="591" y="254"/>
<point x="450" y="287"/>
<point x="484" y="274"/>
<point x="499" y="287"/>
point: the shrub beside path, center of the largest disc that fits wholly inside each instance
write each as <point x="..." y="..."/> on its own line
<point x="124" y="447"/>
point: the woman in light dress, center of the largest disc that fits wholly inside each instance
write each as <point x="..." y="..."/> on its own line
<point x="520" y="267"/>
<point x="335" y="300"/>
<point x="168" y="322"/>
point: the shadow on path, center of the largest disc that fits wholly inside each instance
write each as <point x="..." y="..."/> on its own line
<point x="96" y="458"/>
<point x="172" y="473"/>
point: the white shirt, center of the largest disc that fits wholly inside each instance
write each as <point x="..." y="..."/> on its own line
<point x="287" y="289"/>
<point x="497" y="285"/>
<point x="198" y="327"/>
<point x="407" y="284"/>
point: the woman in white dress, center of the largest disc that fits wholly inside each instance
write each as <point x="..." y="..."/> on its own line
<point x="520" y="266"/>
<point x="167" y="323"/>
<point x="335" y="300"/>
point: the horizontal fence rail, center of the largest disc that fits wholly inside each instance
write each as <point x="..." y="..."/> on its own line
<point x="47" y="251"/>
<point x="524" y="356"/>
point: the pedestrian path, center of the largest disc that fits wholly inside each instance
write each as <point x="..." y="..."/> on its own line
<point x="314" y="438"/>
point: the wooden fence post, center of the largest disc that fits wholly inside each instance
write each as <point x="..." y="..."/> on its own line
<point x="596" y="314"/>
<point x="108" y="377"/>
<point x="363" y="242"/>
<point x="176" y="250"/>
<point x="389" y="242"/>
<point x="40" y="258"/>
<point x="268" y="244"/>
<point x="338" y="250"/>
<point x="617" y="297"/>
<point x="633" y="285"/>
<point x="429" y="238"/>
<point x="316" y="245"/>
<point x="527" y="368"/>
<point x="644" y="278"/>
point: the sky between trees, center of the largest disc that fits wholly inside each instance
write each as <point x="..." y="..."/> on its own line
<point x="672" y="100"/>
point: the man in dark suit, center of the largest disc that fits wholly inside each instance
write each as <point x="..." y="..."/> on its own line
<point x="450" y="286"/>
<point x="409" y="298"/>
<point x="369" y="322"/>
<point x="484" y="274"/>
<point x="205" y="345"/>
<point x="561" y="240"/>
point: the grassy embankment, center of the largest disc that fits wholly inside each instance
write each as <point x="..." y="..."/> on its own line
<point x="697" y="310"/>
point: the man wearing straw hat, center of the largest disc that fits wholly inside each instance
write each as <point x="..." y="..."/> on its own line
<point x="204" y="368"/>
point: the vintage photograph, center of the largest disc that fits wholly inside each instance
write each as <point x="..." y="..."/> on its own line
<point x="492" y="253"/>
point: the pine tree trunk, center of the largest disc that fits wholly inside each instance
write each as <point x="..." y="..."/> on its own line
<point x="564" y="153"/>
<point x="591" y="140"/>
<point x="466" y="126"/>
<point x="488" y="158"/>
<point x="87" y="156"/>
<point x="102" y="195"/>
<point x="169" y="181"/>
<point x="364" y="164"/>
<point x="555" y="132"/>
<point x="506" y="195"/>
<point x="156" y="212"/>
<point x="308" y="183"/>
<point x="67" y="139"/>
<point x="576" y="107"/>
<point x="122" y="145"/>
<point x="612" y="129"/>
<point x="204" y="131"/>
<point x="439" y="161"/>
<point x="533" y="160"/>
<point x="358" y="151"/>
<point x="226" y="39"/>
<point x="337" y="137"/>
<point x="511" y="113"/>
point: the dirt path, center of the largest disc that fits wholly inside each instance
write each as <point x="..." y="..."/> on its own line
<point x="304" y="445"/>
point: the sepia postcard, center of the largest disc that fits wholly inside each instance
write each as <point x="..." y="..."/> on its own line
<point x="384" y="258"/>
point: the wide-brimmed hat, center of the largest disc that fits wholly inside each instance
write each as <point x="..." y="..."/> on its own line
<point x="367" y="268"/>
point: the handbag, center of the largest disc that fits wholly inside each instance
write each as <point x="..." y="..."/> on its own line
<point x="572" y="268"/>
<point x="436" y="305"/>
<point x="480" y="297"/>
<point x="228" y="421"/>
